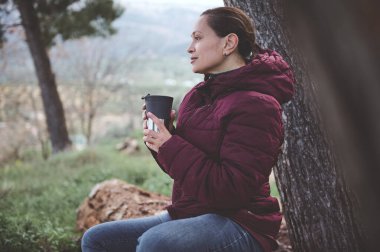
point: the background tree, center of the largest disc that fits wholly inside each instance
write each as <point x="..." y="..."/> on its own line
<point x="92" y="72"/>
<point x="332" y="125"/>
<point x="12" y="111"/>
<point x="43" y="22"/>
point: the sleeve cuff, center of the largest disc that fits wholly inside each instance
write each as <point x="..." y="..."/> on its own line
<point x="169" y="150"/>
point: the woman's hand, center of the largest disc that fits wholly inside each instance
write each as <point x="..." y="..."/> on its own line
<point x="172" y="118"/>
<point x="154" y="140"/>
<point x="145" y="119"/>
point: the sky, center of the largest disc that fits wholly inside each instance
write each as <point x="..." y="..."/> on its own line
<point x="206" y="3"/>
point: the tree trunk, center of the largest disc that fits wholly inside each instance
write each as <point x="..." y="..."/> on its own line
<point x="91" y="111"/>
<point x="343" y="38"/>
<point x="318" y="207"/>
<point x="53" y="108"/>
<point x="44" y="143"/>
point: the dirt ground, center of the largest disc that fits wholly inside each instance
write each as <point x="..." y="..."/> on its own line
<point x="283" y="239"/>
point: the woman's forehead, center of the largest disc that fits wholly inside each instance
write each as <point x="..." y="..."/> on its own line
<point x="201" y="26"/>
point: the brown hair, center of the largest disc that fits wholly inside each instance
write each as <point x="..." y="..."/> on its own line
<point x="226" y="20"/>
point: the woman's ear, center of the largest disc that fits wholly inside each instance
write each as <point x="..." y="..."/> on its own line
<point x="231" y="43"/>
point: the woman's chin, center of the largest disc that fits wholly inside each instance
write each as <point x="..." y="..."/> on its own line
<point x="196" y="70"/>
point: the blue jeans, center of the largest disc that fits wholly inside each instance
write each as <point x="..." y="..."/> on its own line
<point x="209" y="232"/>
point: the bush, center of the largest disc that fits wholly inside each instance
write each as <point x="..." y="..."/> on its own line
<point x="38" y="199"/>
<point x="31" y="236"/>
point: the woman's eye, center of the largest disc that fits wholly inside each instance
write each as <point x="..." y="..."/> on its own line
<point x="197" y="38"/>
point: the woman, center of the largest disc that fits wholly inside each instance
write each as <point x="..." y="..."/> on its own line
<point x="228" y="137"/>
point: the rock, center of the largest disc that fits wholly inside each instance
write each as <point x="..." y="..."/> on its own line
<point x="115" y="200"/>
<point x="128" y="146"/>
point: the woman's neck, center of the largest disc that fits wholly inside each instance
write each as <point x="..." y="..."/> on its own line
<point x="232" y="62"/>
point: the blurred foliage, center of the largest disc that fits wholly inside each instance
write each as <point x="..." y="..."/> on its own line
<point x="66" y="19"/>
<point x="38" y="198"/>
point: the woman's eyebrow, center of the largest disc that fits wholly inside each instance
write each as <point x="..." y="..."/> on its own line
<point x="193" y="34"/>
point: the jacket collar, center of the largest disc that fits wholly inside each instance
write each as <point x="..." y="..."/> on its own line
<point x="267" y="73"/>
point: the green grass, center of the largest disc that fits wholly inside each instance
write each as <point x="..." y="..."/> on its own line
<point x="38" y="199"/>
<point x="274" y="190"/>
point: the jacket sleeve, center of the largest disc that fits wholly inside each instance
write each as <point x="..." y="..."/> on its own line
<point x="154" y="154"/>
<point x="250" y="147"/>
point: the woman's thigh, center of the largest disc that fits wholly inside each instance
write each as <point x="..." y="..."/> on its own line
<point x="119" y="235"/>
<point x="209" y="232"/>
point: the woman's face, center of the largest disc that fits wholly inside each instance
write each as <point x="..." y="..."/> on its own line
<point x="206" y="49"/>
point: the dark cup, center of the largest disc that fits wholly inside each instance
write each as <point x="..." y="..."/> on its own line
<point x="160" y="106"/>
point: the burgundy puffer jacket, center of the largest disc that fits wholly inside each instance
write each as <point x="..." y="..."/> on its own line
<point x="228" y="137"/>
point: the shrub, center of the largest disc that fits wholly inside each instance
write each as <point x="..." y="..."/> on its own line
<point x="39" y="198"/>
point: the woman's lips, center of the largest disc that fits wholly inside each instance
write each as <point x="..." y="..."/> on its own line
<point x="193" y="59"/>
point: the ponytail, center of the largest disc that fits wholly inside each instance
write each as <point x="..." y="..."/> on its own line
<point x="226" y="20"/>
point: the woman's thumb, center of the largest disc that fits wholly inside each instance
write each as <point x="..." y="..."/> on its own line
<point x="172" y="115"/>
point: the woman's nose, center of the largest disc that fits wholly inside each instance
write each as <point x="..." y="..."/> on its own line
<point x="190" y="49"/>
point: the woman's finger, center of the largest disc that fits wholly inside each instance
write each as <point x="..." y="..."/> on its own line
<point x="145" y="124"/>
<point x="160" y="124"/>
<point x="148" y="139"/>
<point x="152" y="141"/>
<point x="172" y="116"/>
<point x="146" y="132"/>
<point x="143" y="115"/>
<point x="151" y="133"/>
<point x="151" y="146"/>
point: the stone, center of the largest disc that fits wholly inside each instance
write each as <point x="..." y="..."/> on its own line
<point x="128" y="146"/>
<point x="115" y="200"/>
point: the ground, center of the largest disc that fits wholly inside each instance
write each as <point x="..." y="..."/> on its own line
<point x="283" y="239"/>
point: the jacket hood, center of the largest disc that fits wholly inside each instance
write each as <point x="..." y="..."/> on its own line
<point x="267" y="73"/>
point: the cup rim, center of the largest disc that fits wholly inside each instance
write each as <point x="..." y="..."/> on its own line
<point x="156" y="96"/>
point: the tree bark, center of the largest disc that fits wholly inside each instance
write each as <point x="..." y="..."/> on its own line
<point x="53" y="108"/>
<point x="319" y="209"/>
<point x="44" y="143"/>
<point x="91" y="113"/>
<point x="343" y="38"/>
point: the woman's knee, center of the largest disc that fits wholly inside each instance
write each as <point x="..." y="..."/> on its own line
<point x="91" y="238"/>
<point x="148" y="242"/>
<point x="152" y="240"/>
